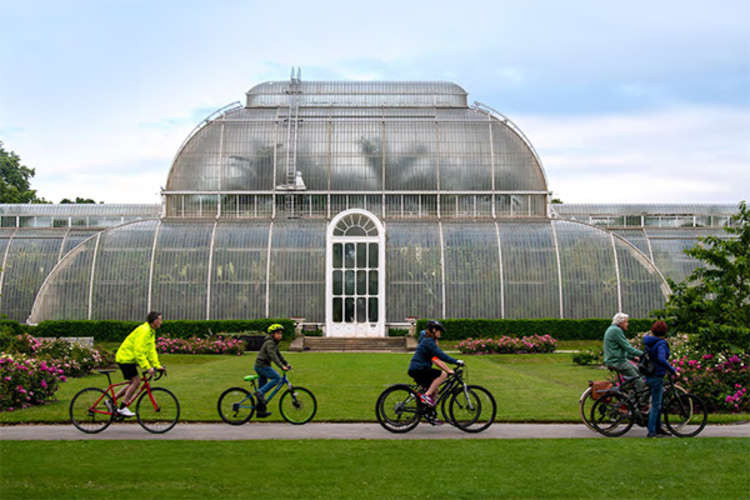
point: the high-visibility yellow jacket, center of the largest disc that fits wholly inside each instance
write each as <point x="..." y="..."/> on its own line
<point x="139" y="347"/>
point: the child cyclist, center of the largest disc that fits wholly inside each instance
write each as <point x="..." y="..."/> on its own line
<point x="268" y="376"/>
<point x="420" y="368"/>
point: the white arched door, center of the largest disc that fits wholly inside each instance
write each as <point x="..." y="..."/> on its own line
<point x="355" y="275"/>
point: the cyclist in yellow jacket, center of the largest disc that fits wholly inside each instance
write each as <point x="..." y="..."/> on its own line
<point x="137" y="350"/>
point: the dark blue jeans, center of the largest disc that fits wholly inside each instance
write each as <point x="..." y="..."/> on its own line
<point x="657" y="391"/>
<point x="268" y="378"/>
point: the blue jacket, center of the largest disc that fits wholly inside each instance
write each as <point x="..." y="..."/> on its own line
<point x="426" y="350"/>
<point x="659" y="350"/>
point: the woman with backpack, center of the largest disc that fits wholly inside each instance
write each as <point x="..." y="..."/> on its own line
<point x="658" y="350"/>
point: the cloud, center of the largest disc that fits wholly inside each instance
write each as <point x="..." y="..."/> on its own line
<point x="673" y="155"/>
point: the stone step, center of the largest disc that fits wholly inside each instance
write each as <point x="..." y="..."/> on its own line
<point x="355" y="343"/>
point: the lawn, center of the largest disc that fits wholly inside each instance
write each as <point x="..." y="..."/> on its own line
<point x="531" y="387"/>
<point x="469" y="469"/>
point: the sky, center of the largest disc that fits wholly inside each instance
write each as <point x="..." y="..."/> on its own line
<point x="625" y="102"/>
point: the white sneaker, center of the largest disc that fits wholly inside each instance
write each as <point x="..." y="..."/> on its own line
<point x="125" y="412"/>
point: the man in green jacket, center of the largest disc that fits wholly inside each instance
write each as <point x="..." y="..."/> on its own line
<point x="137" y="350"/>
<point x="617" y="352"/>
<point x="268" y="376"/>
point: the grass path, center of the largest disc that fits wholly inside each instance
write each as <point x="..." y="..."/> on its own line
<point x="533" y="387"/>
<point x="464" y="469"/>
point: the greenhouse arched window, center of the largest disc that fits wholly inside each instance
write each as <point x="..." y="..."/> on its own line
<point x="355" y="273"/>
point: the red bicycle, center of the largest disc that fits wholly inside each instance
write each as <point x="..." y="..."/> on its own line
<point x="92" y="410"/>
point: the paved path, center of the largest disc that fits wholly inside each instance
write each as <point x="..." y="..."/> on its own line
<point x="330" y="431"/>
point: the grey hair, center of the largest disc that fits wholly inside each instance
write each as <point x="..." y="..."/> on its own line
<point x="619" y="318"/>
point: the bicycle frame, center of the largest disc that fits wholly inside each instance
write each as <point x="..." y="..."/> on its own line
<point x="628" y="389"/>
<point x="145" y="386"/>
<point x="276" y="388"/>
<point x="453" y="382"/>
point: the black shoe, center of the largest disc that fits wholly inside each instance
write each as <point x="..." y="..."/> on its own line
<point x="663" y="433"/>
<point x="263" y="414"/>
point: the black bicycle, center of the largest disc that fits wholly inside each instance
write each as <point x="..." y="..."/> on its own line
<point x="617" y="409"/>
<point x="297" y="405"/>
<point x="471" y="408"/>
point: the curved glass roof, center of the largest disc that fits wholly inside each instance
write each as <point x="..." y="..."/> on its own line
<point x="203" y="269"/>
<point x="567" y="209"/>
<point x="376" y="149"/>
<point x="352" y="94"/>
<point x="27" y="255"/>
<point x="665" y="247"/>
<point x="79" y="215"/>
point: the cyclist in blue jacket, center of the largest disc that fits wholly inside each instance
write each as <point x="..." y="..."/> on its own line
<point x="420" y="367"/>
<point x="659" y="350"/>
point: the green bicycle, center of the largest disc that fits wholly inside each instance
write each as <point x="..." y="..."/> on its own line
<point x="297" y="405"/>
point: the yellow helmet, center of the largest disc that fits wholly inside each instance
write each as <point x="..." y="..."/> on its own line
<point x="275" y="327"/>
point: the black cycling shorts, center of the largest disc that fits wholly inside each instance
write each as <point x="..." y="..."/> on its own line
<point x="129" y="370"/>
<point x="425" y="377"/>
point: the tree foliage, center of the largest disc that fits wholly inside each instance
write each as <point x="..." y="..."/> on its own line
<point x="15" y="185"/>
<point x="714" y="300"/>
<point x="78" y="200"/>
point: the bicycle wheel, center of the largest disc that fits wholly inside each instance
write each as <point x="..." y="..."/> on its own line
<point x="444" y="407"/>
<point x="612" y="415"/>
<point x="397" y="409"/>
<point x="298" y="405"/>
<point x="685" y="415"/>
<point x="158" y="413"/>
<point x="473" y="410"/>
<point x="89" y="412"/>
<point x="585" y="402"/>
<point x="236" y="406"/>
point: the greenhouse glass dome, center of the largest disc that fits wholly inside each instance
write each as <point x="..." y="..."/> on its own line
<point x="353" y="205"/>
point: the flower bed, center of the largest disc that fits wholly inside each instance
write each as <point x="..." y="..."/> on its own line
<point x="508" y="345"/>
<point x="722" y="383"/>
<point x="75" y="360"/>
<point x="31" y="369"/>
<point x="194" y="345"/>
<point x="26" y="381"/>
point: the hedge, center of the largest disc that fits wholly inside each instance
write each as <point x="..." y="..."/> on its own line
<point x="456" y="329"/>
<point x="560" y="329"/>
<point x="116" y="331"/>
<point x="11" y="327"/>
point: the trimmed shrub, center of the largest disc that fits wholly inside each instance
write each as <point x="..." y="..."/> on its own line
<point x="560" y="329"/>
<point x="508" y="345"/>
<point x="11" y="327"/>
<point x="588" y="357"/>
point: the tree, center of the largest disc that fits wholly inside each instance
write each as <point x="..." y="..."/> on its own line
<point x="714" y="300"/>
<point x="14" y="179"/>
<point x="77" y="200"/>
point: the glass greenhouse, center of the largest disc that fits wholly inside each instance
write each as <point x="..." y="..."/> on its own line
<point x="353" y="205"/>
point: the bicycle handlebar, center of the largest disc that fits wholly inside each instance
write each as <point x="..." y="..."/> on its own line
<point x="160" y="372"/>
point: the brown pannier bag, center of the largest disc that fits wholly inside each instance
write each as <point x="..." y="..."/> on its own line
<point x="599" y="387"/>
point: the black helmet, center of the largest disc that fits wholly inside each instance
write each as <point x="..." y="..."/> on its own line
<point x="436" y="325"/>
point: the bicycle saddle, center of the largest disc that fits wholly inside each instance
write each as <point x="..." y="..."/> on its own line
<point x="250" y="378"/>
